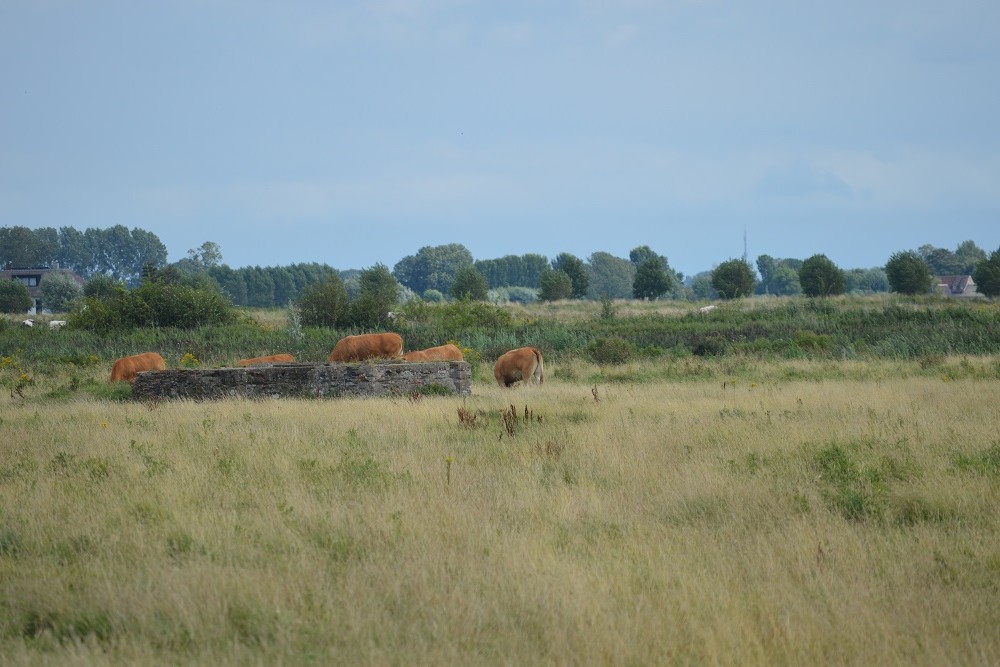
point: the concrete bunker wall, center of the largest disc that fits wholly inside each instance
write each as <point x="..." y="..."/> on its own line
<point x="297" y="380"/>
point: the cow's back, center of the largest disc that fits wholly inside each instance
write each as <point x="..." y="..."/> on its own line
<point x="126" y="368"/>
<point x="447" y="352"/>
<point x="524" y="363"/>
<point x="269" y="359"/>
<point x="367" y="346"/>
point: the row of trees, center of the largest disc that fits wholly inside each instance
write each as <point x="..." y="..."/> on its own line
<point x="906" y="272"/>
<point x="438" y="272"/>
<point x="254" y="286"/>
<point x="269" y="286"/>
<point x="780" y="277"/>
<point x="116" y="251"/>
<point x="434" y="271"/>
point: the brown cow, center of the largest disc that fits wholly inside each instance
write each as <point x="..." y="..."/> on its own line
<point x="367" y="346"/>
<point x="126" y="368"/>
<point x="270" y="359"/>
<point x="447" y="352"/>
<point x="524" y="363"/>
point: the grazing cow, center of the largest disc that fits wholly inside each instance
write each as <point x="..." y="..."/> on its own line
<point x="270" y="359"/>
<point x="524" y="363"/>
<point x="126" y="368"/>
<point x="447" y="352"/>
<point x="57" y="324"/>
<point x="28" y="323"/>
<point x="367" y="346"/>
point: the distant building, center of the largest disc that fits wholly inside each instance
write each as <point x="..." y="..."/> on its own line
<point x="32" y="279"/>
<point x="955" y="286"/>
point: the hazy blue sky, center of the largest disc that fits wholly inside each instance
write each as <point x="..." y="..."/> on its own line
<point x="353" y="133"/>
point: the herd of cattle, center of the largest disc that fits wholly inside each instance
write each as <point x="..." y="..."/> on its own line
<point x="523" y="364"/>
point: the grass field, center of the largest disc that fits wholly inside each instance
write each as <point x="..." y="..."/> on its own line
<point x="703" y="511"/>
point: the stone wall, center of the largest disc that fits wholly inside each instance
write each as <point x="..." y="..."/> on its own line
<point x="382" y="378"/>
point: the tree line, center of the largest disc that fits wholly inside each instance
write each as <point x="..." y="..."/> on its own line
<point x="436" y="273"/>
<point x="116" y="251"/>
<point x="906" y="272"/>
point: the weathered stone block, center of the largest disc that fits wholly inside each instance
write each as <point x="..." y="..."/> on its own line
<point x="297" y="380"/>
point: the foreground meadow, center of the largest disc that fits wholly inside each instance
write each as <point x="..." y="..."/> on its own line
<point x="848" y="518"/>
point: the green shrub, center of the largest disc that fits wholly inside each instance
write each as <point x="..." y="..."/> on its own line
<point x="709" y="346"/>
<point x="59" y="290"/>
<point x="14" y="297"/>
<point x="819" y="276"/>
<point x="611" y="350"/>
<point x="809" y="340"/>
<point x="103" y="287"/>
<point x="378" y="294"/>
<point x="433" y="296"/>
<point x="325" y="304"/>
<point x="909" y="273"/>
<point x="469" y="284"/>
<point x="555" y="285"/>
<point x="458" y="316"/>
<point x="986" y="274"/>
<point x="733" y="278"/>
<point x="522" y="294"/>
<point x="160" y="301"/>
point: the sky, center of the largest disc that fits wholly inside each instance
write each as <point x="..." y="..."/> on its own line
<point x="355" y="133"/>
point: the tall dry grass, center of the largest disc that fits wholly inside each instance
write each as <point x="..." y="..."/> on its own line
<point x="777" y="521"/>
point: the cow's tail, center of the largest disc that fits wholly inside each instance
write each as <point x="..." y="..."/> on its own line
<point x="538" y="373"/>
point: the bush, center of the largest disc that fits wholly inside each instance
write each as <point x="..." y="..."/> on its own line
<point x="103" y="287"/>
<point x="576" y="270"/>
<point x="324" y="304"/>
<point x="59" y="290"/>
<point x="733" y="279"/>
<point x="157" y="302"/>
<point x="709" y="346"/>
<point x="808" y="340"/>
<point x="819" y="276"/>
<point x="469" y="284"/>
<point x="987" y="275"/>
<point x="512" y="294"/>
<point x="14" y="297"/>
<point x="433" y="295"/>
<point x="651" y="279"/>
<point x="908" y="273"/>
<point x="522" y="294"/>
<point x="184" y="305"/>
<point x="556" y="285"/>
<point x="477" y="324"/>
<point x="611" y="350"/>
<point x="378" y="294"/>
